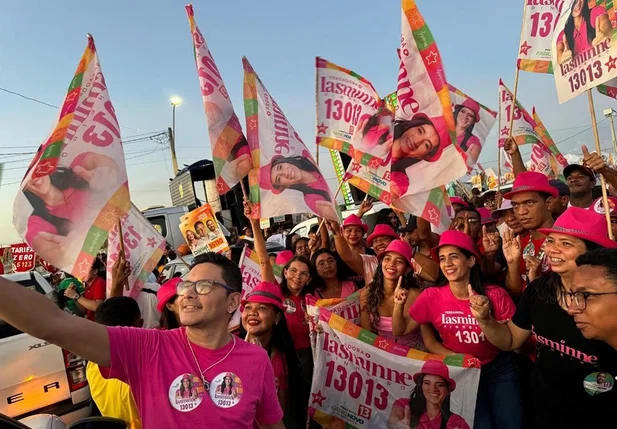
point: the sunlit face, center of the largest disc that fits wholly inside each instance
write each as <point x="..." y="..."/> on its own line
<point x="39" y="186"/>
<point x="211" y="225"/>
<point x="297" y="275"/>
<point x="284" y="175"/>
<point x="326" y="266"/>
<point x="577" y="8"/>
<point x="258" y="318"/>
<point x="454" y="264"/>
<point x="435" y="389"/>
<point x="531" y="209"/>
<point x="353" y="234"/>
<point x="597" y="321"/>
<point x="393" y="266"/>
<point x="465" y="117"/>
<point x="579" y="183"/>
<point x="416" y="142"/>
<point x="562" y="251"/>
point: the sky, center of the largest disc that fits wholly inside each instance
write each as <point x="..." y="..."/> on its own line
<point x="146" y="53"/>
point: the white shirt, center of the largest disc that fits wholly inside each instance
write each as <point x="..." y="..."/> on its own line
<point x="147" y="301"/>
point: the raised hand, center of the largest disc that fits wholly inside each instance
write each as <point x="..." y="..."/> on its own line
<point x="248" y="208"/>
<point x="490" y="241"/>
<point x="510" y="146"/>
<point x="400" y="294"/>
<point x="365" y="206"/>
<point x="333" y="227"/>
<point x="511" y="247"/>
<point x="479" y="305"/>
<point x="593" y="160"/>
<point x="533" y="265"/>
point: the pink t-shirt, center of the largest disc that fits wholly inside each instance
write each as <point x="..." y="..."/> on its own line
<point x="160" y="368"/>
<point x="454" y="422"/>
<point x="581" y="44"/>
<point x="452" y="318"/>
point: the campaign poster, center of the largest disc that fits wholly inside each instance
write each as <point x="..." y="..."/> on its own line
<point x="202" y="232"/>
<point x="24" y="258"/>
<point x="584" y="46"/>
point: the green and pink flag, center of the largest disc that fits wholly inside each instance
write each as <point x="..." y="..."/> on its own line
<point x="76" y="187"/>
<point x="230" y="150"/>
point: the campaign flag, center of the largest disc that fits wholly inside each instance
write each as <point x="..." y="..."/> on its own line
<point x="288" y="179"/>
<point x="202" y="232"/>
<point x="24" y="258"/>
<point x="540" y="160"/>
<point x="587" y="57"/>
<point x="251" y="275"/>
<point x="81" y="164"/>
<point x="366" y="381"/>
<point x="230" y="150"/>
<point x="348" y="308"/>
<point x="609" y="88"/>
<point x="424" y="155"/>
<point x="473" y="121"/>
<point x="350" y="115"/>
<point x="539" y="20"/>
<point x="557" y="160"/>
<point x="143" y="248"/>
<point x="372" y="181"/>
<point x="523" y="125"/>
<point x="339" y="169"/>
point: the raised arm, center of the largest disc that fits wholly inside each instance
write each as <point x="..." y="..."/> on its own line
<point x="402" y="323"/>
<point x="353" y="260"/>
<point x="267" y="273"/>
<point x="38" y="316"/>
<point x="511" y="148"/>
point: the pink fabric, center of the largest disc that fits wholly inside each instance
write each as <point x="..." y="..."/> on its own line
<point x="471" y="142"/>
<point x="295" y="315"/>
<point x="151" y="361"/>
<point x="280" y="371"/>
<point x="370" y="264"/>
<point x="349" y="287"/>
<point x="311" y="200"/>
<point x="400" y="182"/>
<point x="412" y="340"/>
<point x="452" y="318"/>
<point x="581" y="44"/>
<point x="454" y="422"/>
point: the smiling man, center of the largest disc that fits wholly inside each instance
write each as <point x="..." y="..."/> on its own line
<point x="173" y="374"/>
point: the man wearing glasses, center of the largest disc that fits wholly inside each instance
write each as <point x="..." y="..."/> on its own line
<point x="173" y="374"/>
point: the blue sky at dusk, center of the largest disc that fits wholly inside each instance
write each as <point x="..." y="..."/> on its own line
<point x="145" y="50"/>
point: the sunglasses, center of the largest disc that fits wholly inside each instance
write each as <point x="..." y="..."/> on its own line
<point x="202" y="287"/>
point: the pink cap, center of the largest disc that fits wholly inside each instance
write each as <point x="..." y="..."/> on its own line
<point x="583" y="224"/>
<point x="284" y="257"/>
<point x="457" y="239"/>
<point x="485" y="216"/>
<point x="265" y="293"/>
<point x="435" y="367"/>
<point x="532" y="181"/>
<point x="505" y="206"/>
<point x="166" y="292"/>
<point x="459" y="200"/>
<point x="398" y="246"/>
<point x="471" y="105"/>
<point x="354" y="220"/>
<point x="381" y="230"/>
<point x="598" y="206"/>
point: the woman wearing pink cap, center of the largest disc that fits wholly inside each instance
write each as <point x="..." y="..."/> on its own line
<point x="301" y="174"/>
<point x="466" y="116"/>
<point x="429" y="404"/>
<point x="168" y="304"/>
<point x="447" y="308"/>
<point x="264" y="324"/>
<point x="564" y="358"/>
<point x="376" y="300"/>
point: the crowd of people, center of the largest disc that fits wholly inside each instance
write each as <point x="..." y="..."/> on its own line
<point x="524" y="281"/>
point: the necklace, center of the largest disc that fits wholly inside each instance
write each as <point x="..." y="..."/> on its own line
<point x="202" y="373"/>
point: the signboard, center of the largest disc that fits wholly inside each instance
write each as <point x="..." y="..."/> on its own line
<point x="24" y="257"/>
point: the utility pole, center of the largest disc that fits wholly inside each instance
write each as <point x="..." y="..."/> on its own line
<point x="609" y="113"/>
<point x="172" y="134"/>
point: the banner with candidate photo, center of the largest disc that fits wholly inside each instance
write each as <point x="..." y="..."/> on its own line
<point x="523" y="126"/>
<point x="424" y="155"/>
<point x="288" y="179"/>
<point x="202" y="232"/>
<point x="584" y="46"/>
<point x="366" y="381"/>
<point x="350" y="115"/>
<point x="539" y="20"/>
<point x="76" y="187"/>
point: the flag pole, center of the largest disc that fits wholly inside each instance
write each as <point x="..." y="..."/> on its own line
<point x="596" y="137"/>
<point x="316" y="114"/>
<point x="126" y="284"/>
<point x="499" y="149"/>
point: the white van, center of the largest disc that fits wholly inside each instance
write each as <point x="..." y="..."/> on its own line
<point x="37" y="377"/>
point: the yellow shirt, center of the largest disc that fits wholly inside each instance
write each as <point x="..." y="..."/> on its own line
<point x="113" y="397"/>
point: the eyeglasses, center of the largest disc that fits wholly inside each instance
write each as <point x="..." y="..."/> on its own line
<point x="489" y="203"/>
<point x="295" y="272"/>
<point x="202" y="287"/>
<point x="580" y="298"/>
<point x="329" y="262"/>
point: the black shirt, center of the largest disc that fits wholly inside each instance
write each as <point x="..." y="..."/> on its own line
<point x="564" y="382"/>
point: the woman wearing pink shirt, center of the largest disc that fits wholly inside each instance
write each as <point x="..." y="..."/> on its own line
<point x="330" y="280"/>
<point x="447" y="308"/>
<point x="466" y="116"/>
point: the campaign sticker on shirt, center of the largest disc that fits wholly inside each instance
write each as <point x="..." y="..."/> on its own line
<point x="290" y="307"/>
<point x="598" y="382"/>
<point x="186" y="392"/>
<point x="598" y="207"/>
<point x="226" y="390"/>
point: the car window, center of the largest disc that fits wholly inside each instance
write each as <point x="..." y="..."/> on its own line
<point x="302" y="232"/>
<point x="7" y="330"/>
<point x="167" y="272"/>
<point x="182" y="269"/>
<point x="159" y="224"/>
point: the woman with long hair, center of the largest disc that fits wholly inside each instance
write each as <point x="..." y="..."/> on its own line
<point x="331" y="280"/>
<point x="168" y="304"/>
<point x="563" y="358"/>
<point x="447" y="309"/>
<point x="264" y="324"/>
<point x="301" y="174"/>
<point x="186" y="390"/>
<point x="429" y="404"/>
<point x="466" y="116"/>
<point x="227" y="386"/>
<point x="584" y="29"/>
<point x="295" y="284"/>
<point x="376" y="301"/>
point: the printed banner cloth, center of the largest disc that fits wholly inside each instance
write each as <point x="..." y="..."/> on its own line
<point x="288" y="180"/>
<point x="367" y="381"/>
<point x="584" y="55"/>
<point x="539" y="20"/>
<point x="230" y="150"/>
<point x="373" y="181"/>
<point x="557" y="160"/>
<point x="82" y="162"/>
<point x="423" y="153"/>
<point x="24" y="258"/>
<point x="609" y="88"/>
<point x="523" y="126"/>
<point x="349" y="115"/>
<point x="348" y="308"/>
<point x="143" y="248"/>
<point x="202" y="232"/>
<point x="339" y="169"/>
